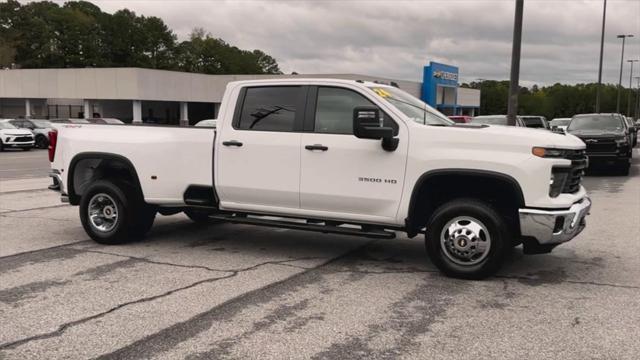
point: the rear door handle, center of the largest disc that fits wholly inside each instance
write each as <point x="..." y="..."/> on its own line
<point x="232" y="143"/>
<point x="316" y="147"/>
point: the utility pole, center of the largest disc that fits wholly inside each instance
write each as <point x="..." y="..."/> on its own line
<point x="623" y="37"/>
<point x="514" y="88"/>
<point x="630" y="87"/>
<point x="604" y="17"/>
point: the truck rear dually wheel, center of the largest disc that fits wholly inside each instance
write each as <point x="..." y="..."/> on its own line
<point x="467" y="238"/>
<point x="105" y="213"/>
<point x="112" y="213"/>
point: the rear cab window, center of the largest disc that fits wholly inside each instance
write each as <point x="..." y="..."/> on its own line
<point x="270" y="108"/>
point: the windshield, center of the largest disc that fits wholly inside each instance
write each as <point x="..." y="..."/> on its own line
<point x="560" y="122"/>
<point x="413" y="108"/>
<point x="490" y="120"/>
<point x="6" y="125"/>
<point x="596" y="122"/>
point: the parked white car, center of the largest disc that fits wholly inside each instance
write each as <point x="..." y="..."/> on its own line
<point x="12" y="137"/>
<point x="210" y="123"/>
<point x="495" y="120"/>
<point x="560" y="123"/>
<point x="349" y="157"/>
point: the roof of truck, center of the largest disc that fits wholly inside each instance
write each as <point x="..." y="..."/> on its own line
<point x="310" y="81"/>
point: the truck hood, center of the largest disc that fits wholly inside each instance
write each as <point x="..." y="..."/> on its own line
<point x="597" y="134"/>
<point x="499" y="134"/>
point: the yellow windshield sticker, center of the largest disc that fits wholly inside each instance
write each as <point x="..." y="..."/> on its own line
<point x="382" y="92"/>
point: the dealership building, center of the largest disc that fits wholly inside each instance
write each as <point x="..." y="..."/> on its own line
<point x="178" y="98"/>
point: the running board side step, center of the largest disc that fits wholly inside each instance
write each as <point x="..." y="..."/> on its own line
<point x="365" y="230"/>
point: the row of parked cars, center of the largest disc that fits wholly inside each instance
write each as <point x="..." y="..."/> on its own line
<point x="29" y="133"/>
<point x="609" y="138"/>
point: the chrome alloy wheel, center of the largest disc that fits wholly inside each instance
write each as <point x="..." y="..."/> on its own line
<point x="465" y="240"/>
<point x="103" y="212"/>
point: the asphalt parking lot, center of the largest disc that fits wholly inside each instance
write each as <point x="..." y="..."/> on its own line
<point x="235" y="291"/>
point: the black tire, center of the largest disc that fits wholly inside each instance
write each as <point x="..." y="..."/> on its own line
<point x="199" y="216"/>
<point x="143" y="214"/>
<point x="1" y="146"/>
<point x="144" y="221"/>
<point x="479" y="266"/>
<point x="623" y="169"/>
<point x="122" y="225"/>
<point x="42" y="142"/>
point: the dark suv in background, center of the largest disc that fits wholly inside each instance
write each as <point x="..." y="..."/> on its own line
<point x="607" y="139"/>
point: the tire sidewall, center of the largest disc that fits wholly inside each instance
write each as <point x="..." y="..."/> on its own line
<point x="491" y="220"/>
<point x="41" y="140"/>
<point x="119" y="233"/>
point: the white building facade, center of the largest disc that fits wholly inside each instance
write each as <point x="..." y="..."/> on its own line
<point x="135" y="95"/>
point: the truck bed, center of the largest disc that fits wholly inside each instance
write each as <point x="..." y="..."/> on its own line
<point x="167" y="159"/>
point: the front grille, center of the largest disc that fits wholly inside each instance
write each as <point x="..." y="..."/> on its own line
<point x="23" y="138"/>
<point x="600" y="145"/>
<point x="579" y="164"/>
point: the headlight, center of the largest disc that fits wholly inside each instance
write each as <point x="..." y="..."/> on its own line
<point x="549" y="153"/>
<point x="622" y="141"/>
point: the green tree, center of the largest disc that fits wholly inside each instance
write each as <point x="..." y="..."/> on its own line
<point x="159" y="42"/>
<point x="44" y="34"/>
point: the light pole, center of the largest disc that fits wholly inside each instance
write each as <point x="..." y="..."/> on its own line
<point x="514" y="89"/>
<point x="638" y="99"/>
<point x="630" y="87"/>
<point x="604" y="17"/>
<point x="623" y="37"/>
<point x="481" y="83"/>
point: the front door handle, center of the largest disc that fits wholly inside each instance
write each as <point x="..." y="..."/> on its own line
<point x="232" y="143"/>
<point x="316" y="147"/>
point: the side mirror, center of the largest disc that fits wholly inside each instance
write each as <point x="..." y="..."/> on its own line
<point x="368" y="124"/>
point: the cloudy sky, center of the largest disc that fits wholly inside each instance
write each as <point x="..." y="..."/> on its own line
<point x="396" y="39"/>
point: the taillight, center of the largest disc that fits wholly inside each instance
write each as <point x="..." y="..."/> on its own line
<point x="53" y="141"/>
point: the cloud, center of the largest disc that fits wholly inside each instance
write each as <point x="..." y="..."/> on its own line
<point x="561" y="39"/>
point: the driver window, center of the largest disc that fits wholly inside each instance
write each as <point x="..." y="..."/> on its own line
<point x="334" y="111"/>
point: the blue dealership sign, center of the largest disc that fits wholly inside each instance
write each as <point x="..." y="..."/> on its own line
<point x="437" y="75"/>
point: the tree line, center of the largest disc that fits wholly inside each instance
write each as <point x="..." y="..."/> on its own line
<point x="44" y="34"/>
<point x="76" y="34"/>
<point x="553" y="101"/>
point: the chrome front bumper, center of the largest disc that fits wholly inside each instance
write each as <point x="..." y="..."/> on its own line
<point x="550" y="227"/>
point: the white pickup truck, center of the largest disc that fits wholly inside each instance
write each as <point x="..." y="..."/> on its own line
<point x="334" y="156"/>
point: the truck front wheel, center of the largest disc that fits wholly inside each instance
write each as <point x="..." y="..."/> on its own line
<point x="467" y="238"/>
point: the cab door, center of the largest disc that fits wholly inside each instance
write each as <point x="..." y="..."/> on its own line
<point x="258" y="153"/>
<point x="341" y="173"/>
